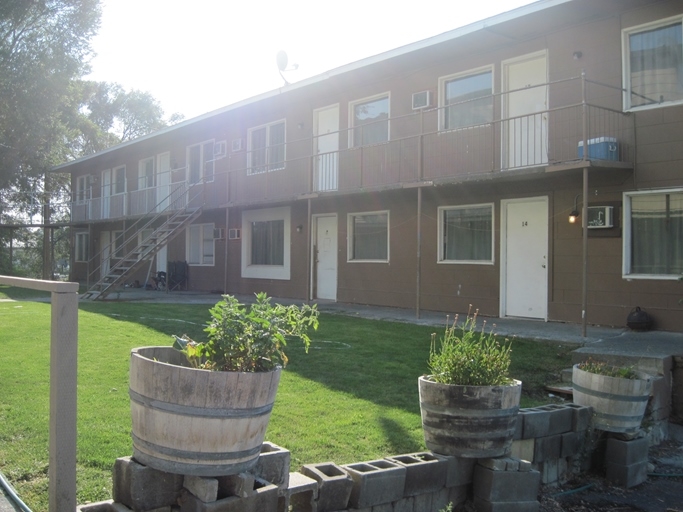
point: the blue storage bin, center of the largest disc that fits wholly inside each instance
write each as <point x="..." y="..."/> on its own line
<point x="601" y="148"/>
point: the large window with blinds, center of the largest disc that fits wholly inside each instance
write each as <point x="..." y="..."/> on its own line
<point x="368" y="236"/>
<point x="466" y="234"/>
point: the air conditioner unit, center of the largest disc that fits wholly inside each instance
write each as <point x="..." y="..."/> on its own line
<point x="421" y="100"/>
<point x="90" y="179"/>
<point x="220" y="149"/>
<point x="234" y="234"/>
<point x="600" y="217"/>
<point x="218" y="234"/>
<point x="237" y="145"/>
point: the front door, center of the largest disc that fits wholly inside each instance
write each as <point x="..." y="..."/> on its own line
<point x="524" y="262"/>
<point x="325" y="260"/>
<point x="327" y="147"/>
<point x="526" y="105"/>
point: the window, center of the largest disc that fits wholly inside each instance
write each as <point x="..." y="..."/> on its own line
<point x="653" y="64"/>
<point x="653" y="235"/>
<point x="82" y="247"/>
<point x="266" y="243"/>
<point x="368" y="236"/>
<point x="118" y="244"/>
<point x="370" y="121"/>
<point x="266" y="146"/>
<point x="82" y="189"/>
<point x="119" y="180"/>
<point x="146" y="173"/>
<point x="200" y="244"/>
<point x="467" y="99"/>
<point x="200" y="162"/>
<point x="466" y="234"/>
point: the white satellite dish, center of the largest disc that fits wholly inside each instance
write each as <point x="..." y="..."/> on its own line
<point x="282" y="60"/>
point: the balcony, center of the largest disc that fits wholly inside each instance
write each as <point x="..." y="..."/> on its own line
<point x="420" y="149"/>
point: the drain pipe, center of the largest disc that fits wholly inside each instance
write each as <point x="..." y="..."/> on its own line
<point x="11" y="493"/>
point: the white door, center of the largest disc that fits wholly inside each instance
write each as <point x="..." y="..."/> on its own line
<point x="106" y="193"/>
<point x="163" y="181"/>
<point x="105" y="253"/>
<point x="526" y="130"/>
<point x="325" y="253"/>
<point x="327" y="147"/>
<point x="524" y="267"/>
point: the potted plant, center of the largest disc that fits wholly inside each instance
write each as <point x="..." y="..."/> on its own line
<point x="202" y="408"/>
<point x="617" y="394"/>
<point x="469" y="404"/>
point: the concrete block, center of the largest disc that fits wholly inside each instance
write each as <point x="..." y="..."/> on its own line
<point x="495" y="486"/>
<point x="515" y="506"/>
<point x="404" y="505"/>
<point x="512" y="464"/>
<point x="563" y="473"/>
<point x="581" y="419"/>
<point x="143" y="488"/>
<point x="550" y="472"/>
<point x="627" y="475"/>
<point x="302" y="494"/>
<point x="264" y="498"/>
<point x="423" y="502"/>
<point x="386" y="507"/>
<point x="561" y="418"/>
<point x="206" y="489"/>
<point x="273" y="465"/>
<point x="459" y="495"/>
<point x="375" y="482"/>
<point x="440" y="499"/>
<point x="459" y="471"/>
<point x="626" y="452"/>
<point x="570" y="444"/>
<point x="536" y="423"/>
<point x="496" y="464"/>
<point x="334" y="485"/>
<point x="523" y="449"/>
<point x="660" y="394"/>
<point x="547" y="448"/>
<point x="240" y="485"/>
<point x="519" y="425"/>
<point x="425" y="472"/>
<point x="524" y="465"/>
<point x="105" y="506"/>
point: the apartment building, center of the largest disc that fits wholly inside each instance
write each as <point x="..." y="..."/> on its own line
<point x="433" y="176"/>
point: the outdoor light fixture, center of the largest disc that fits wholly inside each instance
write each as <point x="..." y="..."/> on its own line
<point x="574" y="214"/>
<point x="299" y="228"/>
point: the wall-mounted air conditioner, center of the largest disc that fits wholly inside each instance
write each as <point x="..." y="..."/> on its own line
<point x="218" y="234"/>
<point x="237" y="145"/>
<point x="600" y="217"/>
<point x="234" y="234"/>
<point x="421" y="100"/>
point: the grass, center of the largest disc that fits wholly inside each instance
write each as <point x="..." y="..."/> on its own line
<point x="353" y="397"/>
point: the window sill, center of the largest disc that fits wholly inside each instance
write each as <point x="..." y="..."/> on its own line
<point x="652" y="277"/>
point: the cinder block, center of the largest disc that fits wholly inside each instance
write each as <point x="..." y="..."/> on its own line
<point x="561" y="418"/>
<point x="334" y="485"/>
<point x="536" y="423"/>
<point x="515" y="506"/>
<point x="626" y="452"/>
<point x="581" y="418"/>
<point x="404" y="505"/>
<point x="524" y="465"/>
<point x="386" y="507"/>
<point x="241" y="485"/>
<point x="107" y="506"/>
<point x="627" y="475"/>
<point x="439" y="499"/>
<point x="549" y="470"/>
<point x="205" y="489"/>
<point x="459" y="495"/>
<point x="273" y="465"/>
<point x="423" y="501"/>
<point x="143" y="488"/>
<point x="496" y="486"/>
<point x="660" y="394"/>
<point x="425" y="472"/>
<point x="263" y="499"/>
<point x="375" y="482"/>
<point x="563" y="473"/>
<point x="301" y="494"/>
<point x="570" y="445"/>
<point x="460" y="470"/>
<point x="496" y="464"/>
<point x="523" y="449"/>
<point x="547" y="448"/>
<point x="519" y="425"/>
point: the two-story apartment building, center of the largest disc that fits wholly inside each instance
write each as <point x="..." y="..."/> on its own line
<point x="433" y="176"/>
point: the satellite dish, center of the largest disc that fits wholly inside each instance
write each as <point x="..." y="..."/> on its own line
<point x="281" y="60"/>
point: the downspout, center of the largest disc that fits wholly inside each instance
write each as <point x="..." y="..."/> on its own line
<point x="309" y="295"/>
<point x="418" y="277"/>
<point x="225" y="256"/>
<point x="584" y="209"/>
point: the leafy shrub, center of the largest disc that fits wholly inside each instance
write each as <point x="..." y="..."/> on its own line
<point x="466" y="357"/>
<point x="249" y="338"/>
<point x="600" y="368"/>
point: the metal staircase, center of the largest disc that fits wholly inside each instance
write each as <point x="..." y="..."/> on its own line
<point x="174" y="224"/>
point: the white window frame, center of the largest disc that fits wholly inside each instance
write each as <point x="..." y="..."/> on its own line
<point x="627" y="236"/>
<point x="82" y="189"/>
<point x="203" y="161"/>
<point x="441" y="257"/>
<point x="82" y="247"/>
<point x="116" y="172"/>
<point x="143" y="177"/>
<point x="350" y="230"/>
<point x="204" y="229"/>
<point x="268" y="166"/>
<point x="443" y="81"/>
<point x="626" y="62"/>
<point x="352" y="117"/>
<point x="280" y="272"/>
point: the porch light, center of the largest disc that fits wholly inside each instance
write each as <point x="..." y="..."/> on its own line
<point x="574" y="214"/>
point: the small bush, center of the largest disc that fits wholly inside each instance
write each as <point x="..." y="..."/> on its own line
<point x="600" y="368"/>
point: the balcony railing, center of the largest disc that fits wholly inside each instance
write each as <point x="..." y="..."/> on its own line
<point x="420" y="149"/>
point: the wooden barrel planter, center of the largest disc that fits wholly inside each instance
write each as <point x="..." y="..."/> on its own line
<point x="618" y="404"/>
<point x="469" y="421"/>
<point x="197" y="422"/>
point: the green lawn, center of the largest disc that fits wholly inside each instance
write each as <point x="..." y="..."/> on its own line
<point x="353" y="397"/>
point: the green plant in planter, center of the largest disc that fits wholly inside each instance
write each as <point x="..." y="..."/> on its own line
<point x="249" y="338"/>
<point x="466" y="357"/>
<point x="600" y="368"/>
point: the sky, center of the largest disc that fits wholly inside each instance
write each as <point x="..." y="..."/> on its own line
<point x="195" y="56"/>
